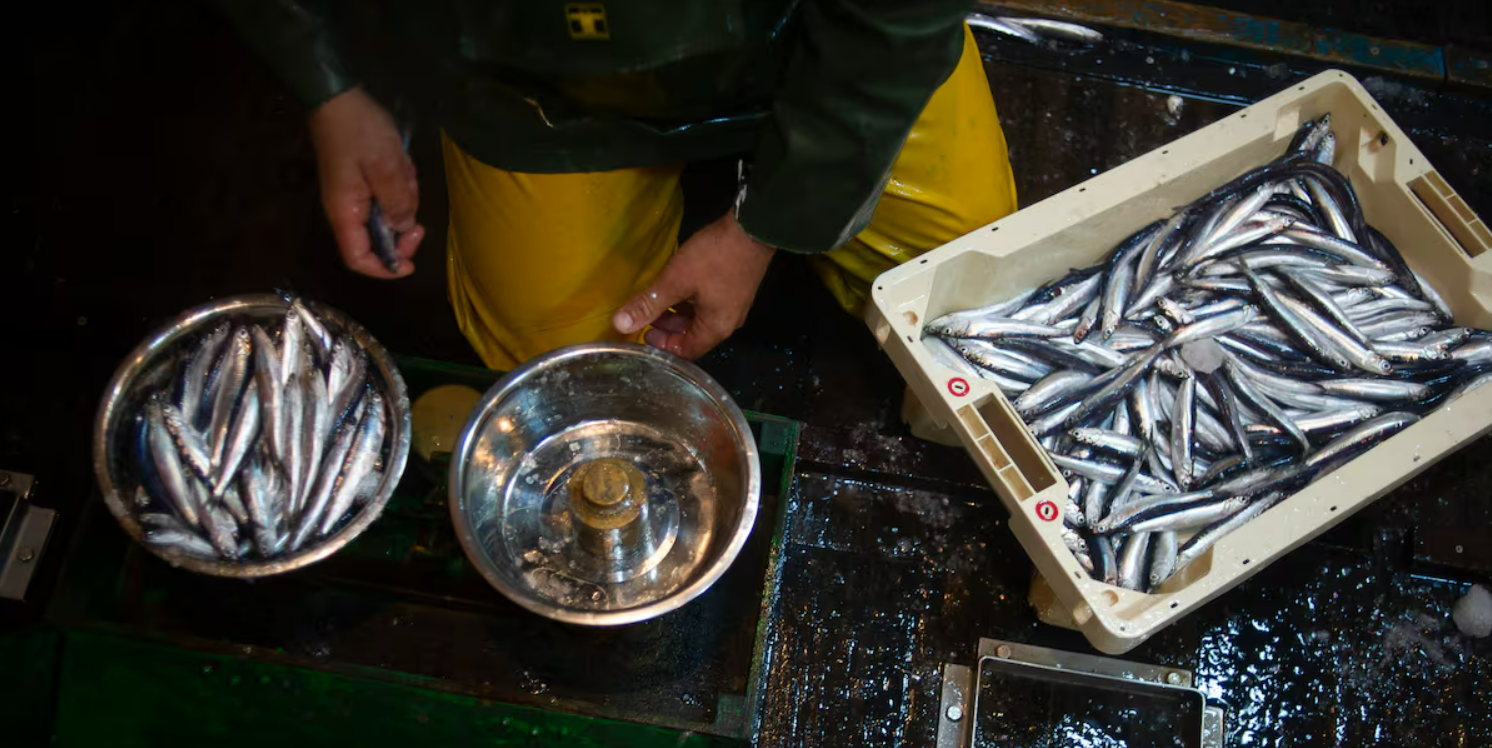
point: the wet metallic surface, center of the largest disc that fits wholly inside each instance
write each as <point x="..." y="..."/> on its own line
<point x="604" y="484"/>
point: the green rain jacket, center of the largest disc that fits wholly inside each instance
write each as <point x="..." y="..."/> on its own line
<point x="818" y="94"/>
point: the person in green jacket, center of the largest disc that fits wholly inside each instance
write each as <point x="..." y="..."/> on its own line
<point x="867" y="126"/>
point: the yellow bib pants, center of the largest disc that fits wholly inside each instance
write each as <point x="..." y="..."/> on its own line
<point x="540" y="261"/>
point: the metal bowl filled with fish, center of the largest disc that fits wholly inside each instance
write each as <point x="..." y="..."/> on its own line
<point x="604" y="484"/>
<point x="251" y="436"/>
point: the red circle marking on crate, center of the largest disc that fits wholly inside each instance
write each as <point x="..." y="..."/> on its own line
<point x="1047" y="511"/>
<point x="958" y="386"/>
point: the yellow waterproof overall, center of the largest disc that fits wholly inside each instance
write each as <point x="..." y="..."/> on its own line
<point x="540" y="261"/>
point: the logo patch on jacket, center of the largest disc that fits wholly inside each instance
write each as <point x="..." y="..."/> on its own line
<point x="587" y="21"/>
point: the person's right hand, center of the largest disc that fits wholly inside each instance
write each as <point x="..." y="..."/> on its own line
<point x="360" y="156"/>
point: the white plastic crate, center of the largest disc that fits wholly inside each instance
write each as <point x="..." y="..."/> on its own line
<point x="1400" y="193"/>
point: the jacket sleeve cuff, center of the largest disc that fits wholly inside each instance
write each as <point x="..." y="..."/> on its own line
<point x="315" y="87"/>
<point x="787" y="219"/>
<point x="312" y="71"/>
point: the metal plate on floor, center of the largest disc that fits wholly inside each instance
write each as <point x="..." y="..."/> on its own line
<point x="953" y="724"/>
<point x="1021" y="695"/>
<point x="23" y="534"/>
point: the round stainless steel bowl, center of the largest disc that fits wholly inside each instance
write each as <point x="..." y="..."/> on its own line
<point x="604" y="484"/>
<point x="151" y="367"/>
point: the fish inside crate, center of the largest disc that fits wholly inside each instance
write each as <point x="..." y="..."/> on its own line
<point x="1154" y="389"/>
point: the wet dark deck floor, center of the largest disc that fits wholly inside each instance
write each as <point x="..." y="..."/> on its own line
<point x="171" y="168"/>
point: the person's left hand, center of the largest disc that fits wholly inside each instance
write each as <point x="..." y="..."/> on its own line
<point x="710" y="283"/>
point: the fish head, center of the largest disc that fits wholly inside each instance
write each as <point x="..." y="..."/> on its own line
<point x="1168" y="366"/>
<point x="243" y="343"/>
<point x="171" y="415"/>
<point x="945" y="328"/>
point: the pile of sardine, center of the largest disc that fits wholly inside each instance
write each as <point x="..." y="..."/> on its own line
<point x="1217" y="361"/>
<point x="268" y="441"/>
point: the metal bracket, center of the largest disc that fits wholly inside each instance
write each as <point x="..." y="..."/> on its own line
<point x="1085" y="663"/>
<point x="959" y="703"/>
<point x="24" y="529"/>
<point x="16" y="483"/>
<point x="1213" y="726"/>
<point x="954" y="715"/>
